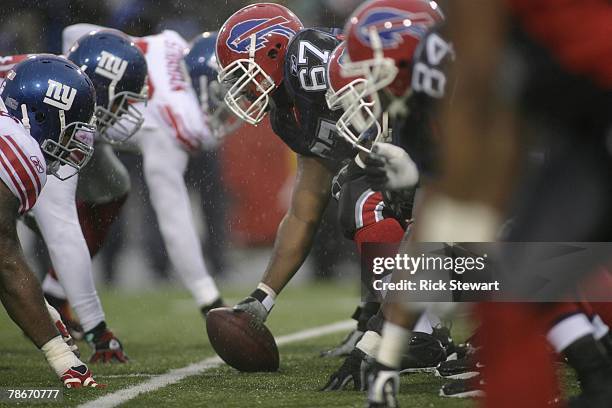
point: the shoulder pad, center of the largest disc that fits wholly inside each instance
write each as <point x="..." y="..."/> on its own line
<point x="305" y="63"/>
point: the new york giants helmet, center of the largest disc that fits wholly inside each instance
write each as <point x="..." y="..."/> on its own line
<point x="55" y="101"/>
<point x="201" y="64"/>
<point x="381" y="37"/>
<point x="251" y="49"/>
<point x="118" y="70"/>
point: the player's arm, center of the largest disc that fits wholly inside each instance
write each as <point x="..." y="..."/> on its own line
<point x="297" y="229"/>
<point x="479" y="148"/>
<point x="295" y="234"/>
<point x="20" y="291"/>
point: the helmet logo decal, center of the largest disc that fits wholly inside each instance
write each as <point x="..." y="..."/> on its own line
<point x="59" y="95"/>
<point x="239" y="39"/>
<point x="111" y="66"/>
<point x="391" y="24"/>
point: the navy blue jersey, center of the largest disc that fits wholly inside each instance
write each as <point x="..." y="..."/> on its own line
<point x="416" y="131"/>
<point x="299" y="115"/>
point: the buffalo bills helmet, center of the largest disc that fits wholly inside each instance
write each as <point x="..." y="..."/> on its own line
<point x="346" y="93"/>
<point x="381" y="37"/>
<point x="251" y="49"/>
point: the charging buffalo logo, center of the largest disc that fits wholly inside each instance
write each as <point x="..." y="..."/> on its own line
<point x="391" y="24"/>
<point x="239" y="39"/>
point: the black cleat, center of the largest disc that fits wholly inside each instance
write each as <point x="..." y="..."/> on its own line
<point x="472" y="388"/>
<point x="443" y="335"/>
<point x="460" y="369"/>
<point x="424" y="354"/>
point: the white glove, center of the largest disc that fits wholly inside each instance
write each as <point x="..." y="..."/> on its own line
<point x="401" y="172"/>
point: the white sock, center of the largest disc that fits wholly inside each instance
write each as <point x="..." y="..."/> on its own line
<point x="59" y="356"/>
<point x="601" y="328"/>
<point x="423" y="325"/>
<point x="369" y="343"/>
<point x="569" y="330"/>
<point x="394" y="341"/>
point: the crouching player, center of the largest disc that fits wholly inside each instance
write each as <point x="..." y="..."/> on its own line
<point x="46" y="116"/>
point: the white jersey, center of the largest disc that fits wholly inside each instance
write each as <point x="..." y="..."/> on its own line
<point x="173" y="104"/>
<point x="22" y="166"/>
<point x="8" y="62"/>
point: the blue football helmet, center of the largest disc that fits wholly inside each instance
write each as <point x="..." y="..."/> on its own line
<point x="201" y="64"/>
<point x="55" y="101"/>
<point x="118" y="70"/>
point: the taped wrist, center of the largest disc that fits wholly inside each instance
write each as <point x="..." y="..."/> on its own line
<point x="265" y="295"/>
<point x="59" y="355"/>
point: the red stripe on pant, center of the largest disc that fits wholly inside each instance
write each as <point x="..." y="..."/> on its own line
<point x="96" y="220"/>
<point x="368" y="209"/>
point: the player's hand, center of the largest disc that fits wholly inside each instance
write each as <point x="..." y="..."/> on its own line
<point x="254" y="307"/>
<point x="79" y="377"/>
<point x="383" y="386"/>
<point x="353" y="369"/>
<point x="108" y="349"/>
<point x="389" y="167"/>
<point x="344" y="348"/>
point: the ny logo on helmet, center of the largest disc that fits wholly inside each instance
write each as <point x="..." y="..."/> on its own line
<point x="390" y="24"/>
<point x="239" y="39"/>
<point x="111" y="66"/>
<point x="59" y="95"/>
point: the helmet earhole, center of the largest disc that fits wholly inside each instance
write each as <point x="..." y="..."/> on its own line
<point x="273" y="53"/>
<point x="39" y="117"/>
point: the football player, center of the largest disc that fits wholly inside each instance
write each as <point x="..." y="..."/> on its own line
<point x="273" y="65"/>
<point x="203" y="70"/>
<point x="118" y="71"/>
<point x="430" y="343"/>
<point x="566" y="88"/>
<point x="46" y="116"/>
<point x="173" y="126"/>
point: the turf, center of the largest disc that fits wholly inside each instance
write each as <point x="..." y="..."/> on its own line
<point x="162" y="330"/>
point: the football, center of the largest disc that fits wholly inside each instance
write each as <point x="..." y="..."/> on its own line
<point x="240" y="341"/>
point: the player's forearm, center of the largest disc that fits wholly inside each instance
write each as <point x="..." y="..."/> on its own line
<point x="293" y="242"/>
<point x="22" y="296"/>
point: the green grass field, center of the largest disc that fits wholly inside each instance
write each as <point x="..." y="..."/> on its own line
<point x="162" y="330"/>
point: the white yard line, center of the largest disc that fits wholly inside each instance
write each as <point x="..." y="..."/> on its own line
<point x="173" y="376"/>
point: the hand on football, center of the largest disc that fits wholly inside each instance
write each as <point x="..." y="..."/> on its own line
<point x="254" y="308"/>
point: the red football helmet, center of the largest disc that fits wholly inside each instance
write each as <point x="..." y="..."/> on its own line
<point x="381" y="38"/>
<point x="251" y="49"/>
<point x="346" y="93"/>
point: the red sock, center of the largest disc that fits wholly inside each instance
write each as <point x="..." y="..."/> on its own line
<point x="388" y="230"/>
<point x="96" y="219"/>
<point x="519" y="369"/>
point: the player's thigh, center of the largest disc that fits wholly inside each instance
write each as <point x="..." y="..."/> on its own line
<point x="164" y="160"/>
